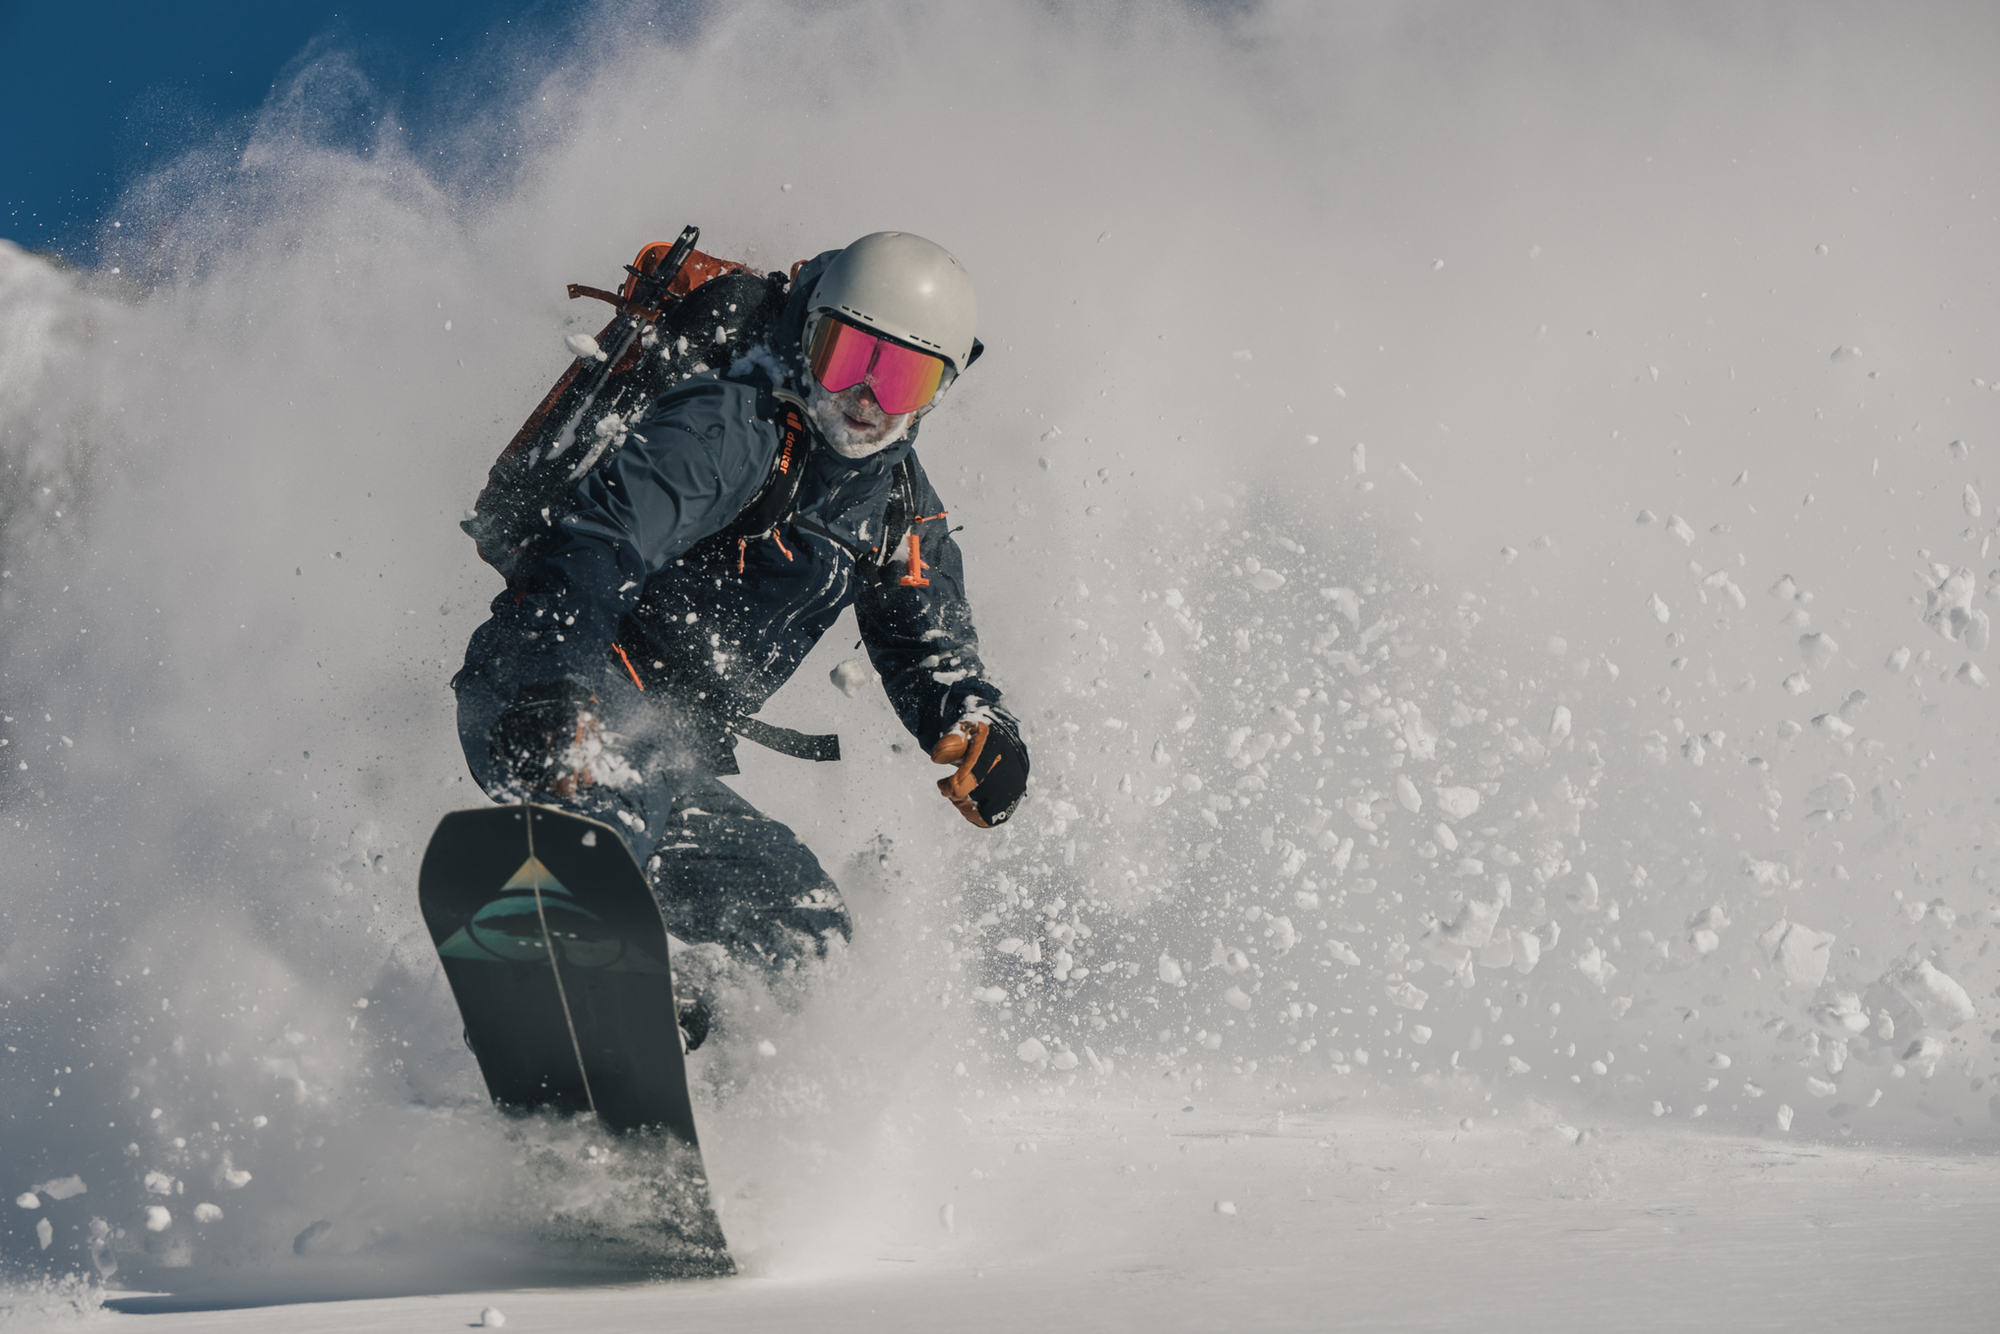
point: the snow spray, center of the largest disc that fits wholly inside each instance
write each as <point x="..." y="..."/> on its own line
<point x="1491" y="535"/>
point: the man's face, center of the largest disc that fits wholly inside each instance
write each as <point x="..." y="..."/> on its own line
<point x="854" y="423"/>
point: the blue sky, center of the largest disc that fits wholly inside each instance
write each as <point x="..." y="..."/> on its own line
<point x="91" y="93"/>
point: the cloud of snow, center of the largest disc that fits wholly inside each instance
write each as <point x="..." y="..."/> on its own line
<point x="1453" y="779"/>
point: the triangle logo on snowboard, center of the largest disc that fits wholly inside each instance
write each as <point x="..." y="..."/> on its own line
<point x="509" y="928"/>
<point x="532" y="876"/>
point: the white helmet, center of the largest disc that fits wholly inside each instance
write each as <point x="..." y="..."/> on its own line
<point x="903" y="286"/>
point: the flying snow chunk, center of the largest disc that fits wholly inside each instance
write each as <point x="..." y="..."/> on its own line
<point x="1235" y="997"/>
<point x="1705" y="927"/>
<point x="1170" y="971"/>
<point x="1593" y="965"/>
<point x="1226" y="1208"/>
<point x="63" y="1187"/>
<point x="1659" y="609"/>
<point x="1528" y="950"/>
<point x="45" y="1233"/>
<point x="1457" y="803"/>
<point x="1647" y="516"/>
<point x="1407" y="995"/>
<point x="585" y="348"/>
<point x="1679" y="528"/>
<point x="1971" y="501"/>
<point x="1796" y="684"/>
<point x="1267" y="580"/>
<point x="1784" y="1116"/>
<point x="1358" y="456"/>
<point x="1941" y="1001"/>
<point x="1720" y="579"/>
<point x="1346" y="602"/>
<point x="490" y="1316"/>
<point x="1898" y="660"/>
<point x="1817" y="649"/>
<point x="1286" y="935"/>
<point x="207" y="1213"/>
<point x="1844" y="352"/>
<point x="1559" y="723"/>
<point x="848" y="677"/>
<point x="1407" y="794"/>
<point x="27" y="1199"/>
<point x="1949" y="610"/>
<point x="158" y="1219"/>
<point x="1420" y="1034"/>
<point x="1033" y="1052"/>
<point x="1969" y="674"/>
<point x="1449" y="942"/>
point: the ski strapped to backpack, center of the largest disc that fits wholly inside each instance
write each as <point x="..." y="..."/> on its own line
<point x="679" y="313"/>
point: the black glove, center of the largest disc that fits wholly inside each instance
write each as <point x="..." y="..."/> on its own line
<point x="992" y="774"/>
<point x="532" y="735"/>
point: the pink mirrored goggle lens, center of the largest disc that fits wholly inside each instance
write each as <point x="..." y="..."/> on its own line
<point x="901" y="378"/>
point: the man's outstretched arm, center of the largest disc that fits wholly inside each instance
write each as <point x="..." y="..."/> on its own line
<point x="917" y="624"/>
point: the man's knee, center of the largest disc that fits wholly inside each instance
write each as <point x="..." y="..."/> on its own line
<point x="729" y="874"/>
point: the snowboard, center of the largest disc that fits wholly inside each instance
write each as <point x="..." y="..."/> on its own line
<point x="556" y="953"/>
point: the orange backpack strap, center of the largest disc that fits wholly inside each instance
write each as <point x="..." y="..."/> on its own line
<point x="530" y="486"/>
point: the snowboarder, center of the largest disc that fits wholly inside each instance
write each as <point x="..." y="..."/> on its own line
<point x="616" y="674"/>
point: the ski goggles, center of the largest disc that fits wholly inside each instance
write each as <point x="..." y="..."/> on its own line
<point x="843" y="355"/>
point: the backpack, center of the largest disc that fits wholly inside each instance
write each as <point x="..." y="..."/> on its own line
<point x="679" y="313"/>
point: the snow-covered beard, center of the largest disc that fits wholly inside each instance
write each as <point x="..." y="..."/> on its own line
<point x="829" y="412"/>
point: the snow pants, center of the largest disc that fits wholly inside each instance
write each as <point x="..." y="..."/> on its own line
<point x="724" y="872"/>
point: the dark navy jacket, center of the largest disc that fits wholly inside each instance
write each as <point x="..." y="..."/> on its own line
<point x="715" y="622"/>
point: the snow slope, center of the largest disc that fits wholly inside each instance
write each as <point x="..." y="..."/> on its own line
<point x="1487" y="514"/>
<point x="1326" y="1217"/>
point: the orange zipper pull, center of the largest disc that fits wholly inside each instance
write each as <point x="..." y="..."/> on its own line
<point x="630" y="670"/>
<point x="915" y="577"/>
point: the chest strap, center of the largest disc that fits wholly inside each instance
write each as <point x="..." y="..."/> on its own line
<point x="798" y="745"/>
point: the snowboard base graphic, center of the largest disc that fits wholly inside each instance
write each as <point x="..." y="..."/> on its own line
<point x="557" y="956"/>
